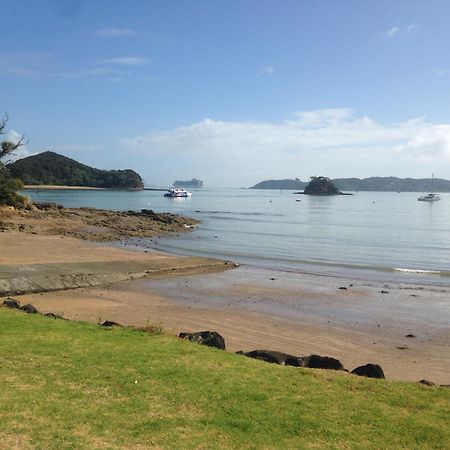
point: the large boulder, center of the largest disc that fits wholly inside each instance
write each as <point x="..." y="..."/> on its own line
<point x="209" y="338"/>
<point x="29" y="308"/>
<point x="11" y="303"/>
<point x="369" y="370"/>
<point x="274" y="357"/>
<point x="323" y="362"/>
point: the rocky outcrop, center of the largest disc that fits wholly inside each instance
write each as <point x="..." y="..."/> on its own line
<point x="369" y="370"/>
<point x="209" y="338"/>
<point x="322" y="186"/>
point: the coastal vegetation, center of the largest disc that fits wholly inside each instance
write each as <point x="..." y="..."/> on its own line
<point x="50" y="168"/>
<point x="8" y="184"/>
<point x="78" y="385"/>
<point x="387" y="184"/>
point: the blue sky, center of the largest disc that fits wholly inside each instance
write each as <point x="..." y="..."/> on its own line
<point x="232" y="92"/>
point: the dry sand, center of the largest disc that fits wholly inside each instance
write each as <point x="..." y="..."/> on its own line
<point x="298" y="314"/>
<point x="258" y="309"/>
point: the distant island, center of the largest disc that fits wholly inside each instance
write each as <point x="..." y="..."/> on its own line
<point x="50" y="168"/>
<point x="387" y="184"/>
<point x="194" y="183"/>
<point x="321" y="186"/>
<point x="281" y="184"/>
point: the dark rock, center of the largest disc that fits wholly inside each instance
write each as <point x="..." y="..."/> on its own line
<point x="54" y="316"/>
<point x="29" y="308"/>
<point x="274" y="357"/>
<point x="11" y="303"/>
<point x="323" y="362"/>
<point x="209" y="338"/>
<point x="427" y="383"/>
<point x="109" y="324"/>
<point x="369" y="370"/>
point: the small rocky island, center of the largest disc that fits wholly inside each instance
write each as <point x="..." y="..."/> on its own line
<point x="321" y="186"/>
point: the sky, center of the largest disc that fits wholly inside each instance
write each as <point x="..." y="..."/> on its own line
<point x="231" y="91"/>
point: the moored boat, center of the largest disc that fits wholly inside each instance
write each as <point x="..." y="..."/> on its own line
<point x="431" y="197"/>
<point x="177" y="193"/>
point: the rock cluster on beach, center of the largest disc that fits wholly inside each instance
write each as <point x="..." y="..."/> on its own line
<point x="215" y="340"/>
<point x="370" y="370"/>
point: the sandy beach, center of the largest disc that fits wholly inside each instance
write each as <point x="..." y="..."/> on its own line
<point x="252" y="308"/>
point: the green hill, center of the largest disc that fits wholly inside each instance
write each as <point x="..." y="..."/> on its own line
<point x="70" y="385"/>
<point x="53" y="169"/>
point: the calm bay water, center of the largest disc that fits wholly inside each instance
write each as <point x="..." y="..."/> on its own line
<point x="381" y="235"/>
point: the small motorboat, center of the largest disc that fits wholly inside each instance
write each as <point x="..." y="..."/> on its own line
<point x="177" y="193"/>
<point x="431" y="197"/>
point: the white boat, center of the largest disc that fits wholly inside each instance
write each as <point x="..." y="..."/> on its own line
<point x="431" y="197"/>
<point x="177" y="193"/>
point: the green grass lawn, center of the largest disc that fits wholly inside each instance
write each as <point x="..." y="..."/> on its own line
<point x="76" y="385"/>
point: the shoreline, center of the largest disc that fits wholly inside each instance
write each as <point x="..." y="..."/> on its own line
<point x="253" y="308"/>
<point x="261" y="309"/>
<point x="30" y="187"/>
<point x="411" y="276"/>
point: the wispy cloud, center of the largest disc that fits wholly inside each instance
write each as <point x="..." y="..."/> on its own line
<point x="267" y="71"/>
<point x="48" y="65"/>
<point x="25" y="63"/>
<point x="441" y="72"/>
<point x="111" y="33"/>
<point x="129" y="60"/>
<point x="398" y="31"/>
<point x="322" y="140"/>
<point x="90" y="72"/>
<point x="392" y="32"/>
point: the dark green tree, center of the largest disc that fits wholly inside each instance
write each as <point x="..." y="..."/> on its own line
<point x="9" y="185"/>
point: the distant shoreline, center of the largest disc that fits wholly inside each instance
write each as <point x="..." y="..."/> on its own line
<point x="49" y="186"/>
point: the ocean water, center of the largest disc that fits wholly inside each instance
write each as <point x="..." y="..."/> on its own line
<point x="381" y="235"/>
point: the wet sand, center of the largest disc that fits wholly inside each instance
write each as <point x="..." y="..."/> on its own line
<point x="295" y="313"/>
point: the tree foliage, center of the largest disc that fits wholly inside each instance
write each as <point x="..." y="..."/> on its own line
<point x="9" y="185"/>
<point x="8" y="147"/>
<point x="321" y="186"/>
